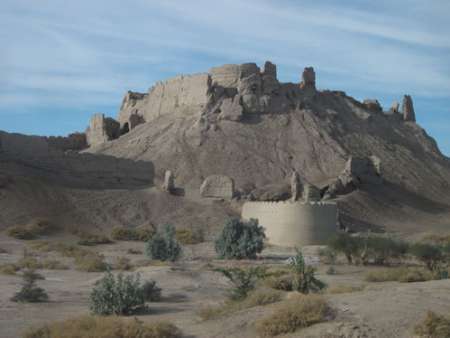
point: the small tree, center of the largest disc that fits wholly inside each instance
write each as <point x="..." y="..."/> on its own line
<point x="164" y="246"/>
<point x="243" y="280"/>
<point x="304" y="280"/>
<point x="348" y="245"/>
<point x="429" y="254"/>
<point x="30" y="293"/>
<point x="381" y="249"/>
<point x="240" y="239"/>
<point x="118" y="296"/>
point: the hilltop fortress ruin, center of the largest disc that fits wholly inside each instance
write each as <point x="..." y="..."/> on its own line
<point x="229" y="92"/>
<point x="235" y="141"/>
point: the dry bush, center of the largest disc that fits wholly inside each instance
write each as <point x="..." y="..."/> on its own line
<point x="292" y="315"/>
<point x="258" y="297"/>
<point x="283" y="283"/>
<point x="433" y="326"/>
<point x="188" y="236"/>
<point x="91" y="263"/>
<point x="53" y="264"/>
<point x="3" y="251"/>
<point x="123" y="264"/>
<point x="134" y="252"/>
<point x="104" y="327"/>
<point x="32" y="230"/>
<point x="345" y="289"/>
<point x="141" y="233"/>
<point x="89" y="239"/>
<point x="8" y="269"/>
<point x="402" y="274"/>
<point x="66" y="250"/>
<point x="29" y="262"/>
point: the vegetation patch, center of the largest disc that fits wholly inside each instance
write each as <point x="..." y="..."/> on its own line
<point x="345" y="289"/>
<point x="402" y="274"/>
<point x="91" y="263"/>
<point x="89" y="239"/>
<point x="239" y="239"/>
<point x="9" y="269"/>
<point x="142" y="233"/>
<point x="30" y="293"/>
<point x="433" y="326"/>
<point x="301" y="312"/>
<point x="163" y="245"/>
<point x="32" y="230"/>
<point x="243" y="280"/>
<point x="189" y="236"/>
<point x="104" y="327"/>
<point x="123" y="264"/>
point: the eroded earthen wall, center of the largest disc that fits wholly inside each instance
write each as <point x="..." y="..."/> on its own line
<point x="294" y="223"/>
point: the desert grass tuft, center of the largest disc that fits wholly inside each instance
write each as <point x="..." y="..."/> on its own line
<point x="345" y="289"/>
<point x="301" y="312"/>
<point x="433" y="326"/>
<point x="104" y="327"/>
<point x="402" y="274"/>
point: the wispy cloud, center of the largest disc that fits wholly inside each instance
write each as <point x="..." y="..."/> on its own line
<point x="55" y="51"/>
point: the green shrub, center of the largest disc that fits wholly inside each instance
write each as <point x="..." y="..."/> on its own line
<point x="152" y="293"/>
<point x="346" y="244"/>
<point x="381" y="250"/>
<point x="240" y="239"/>
<point x="142" y="233"/>
<point x="293" y="315"/>
<point x="30" y="293"/>
<point x="430" y="255"/>
<point x="104" y="327"/>
<point x="243" y="280"/>
<point x="119" y="296"/>
<point x="304" y="280"/>
<point x="188" y="236"/>
<point x="433" y="326"/>
<point x="163" y="245"/>
<point x="327" y="255"/>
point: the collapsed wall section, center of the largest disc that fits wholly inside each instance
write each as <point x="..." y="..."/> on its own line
<point x="294" y="223"/>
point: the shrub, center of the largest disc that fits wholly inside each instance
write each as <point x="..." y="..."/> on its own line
<point x="164" y="246"/>
<point x="293" y="315"/>
<point x="327" y="256"/>
<point x="88" y="239"/>
<point x="123" y="264"/>
<point x="429" y="254"/>
<point x="304" y="280"/>
<point x="345" y="289"/>
<point x="9" y="269"/>
<point x="283" y="283"/>
<point x="20" y="232"/>
<point x="152" y="293"/>
<point x="134" y="252"/>
<point x="433" y="326"/>
<point x="380" y="249"/>
<point x="3" y="251"/>
<point x="91" y="263"/>
<point x="29" y="262"/>
<point x="31" y="230"/>
<point x="240" y="239"/>
<point x="53" y="264"/>
<point x="188" y="236"/>
<point x="119" y="296"/>
<point x="143" y="233"/>
<point x="348" y="245"/>
<point x="243" y="280"/>
<point x="331" y="271"/>
<point x="402" y="274"/>
<point x="104" y="327"/>
<point x="30" y="293"/>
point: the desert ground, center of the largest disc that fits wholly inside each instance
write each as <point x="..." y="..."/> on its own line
<point x="387" y="309"/>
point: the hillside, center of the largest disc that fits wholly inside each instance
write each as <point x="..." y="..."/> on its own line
<point x="239" y="121"/>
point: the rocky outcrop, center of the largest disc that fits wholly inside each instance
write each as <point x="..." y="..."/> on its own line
<point x="74" y="141"/>
<point x="408" y="109"/>
<point x="373" y="105"/>
<point x="102" y="129"/>
<point x="308" y="79"/>
<point x="357" y="171"/>
<point x="169" y="182"/>
<point x="231" y="109"/>
<point x="217" y="186"/>
<point x="296" y="186"/>
<point x="395" y="108"/>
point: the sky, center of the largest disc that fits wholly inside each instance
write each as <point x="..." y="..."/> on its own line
<point x="61" y="61"/>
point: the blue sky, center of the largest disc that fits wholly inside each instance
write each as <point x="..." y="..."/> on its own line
<point x="60" y="61"/>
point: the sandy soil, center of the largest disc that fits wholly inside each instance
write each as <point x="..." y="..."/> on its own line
<point x="381" y="310"/>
